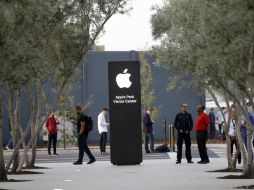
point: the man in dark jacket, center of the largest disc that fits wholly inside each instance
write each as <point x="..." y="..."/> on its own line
<point x="183" y="124"/>
<point x="148" y="130"/>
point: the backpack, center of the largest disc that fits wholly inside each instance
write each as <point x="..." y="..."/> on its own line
<point x="163" y="148"/>
<point x="89" y="123"/>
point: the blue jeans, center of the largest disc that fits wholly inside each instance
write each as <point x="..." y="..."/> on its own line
<point x="149" y="136"/>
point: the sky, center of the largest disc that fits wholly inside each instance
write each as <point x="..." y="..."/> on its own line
<point x="130" y="32"/>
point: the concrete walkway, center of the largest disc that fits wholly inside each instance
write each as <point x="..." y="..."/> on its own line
<point x="161" y="174"/>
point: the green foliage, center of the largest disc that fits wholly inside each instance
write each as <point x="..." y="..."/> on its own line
<point x="147" y="94"/>
<point x="208" y="40"/>
<point x="212" y="42"/>
<point x="41" y="44"/>
<point x="42" y="40"/>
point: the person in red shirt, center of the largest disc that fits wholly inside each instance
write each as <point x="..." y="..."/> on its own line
<point x="202" y="129"/>
<point x="51" y="125"/>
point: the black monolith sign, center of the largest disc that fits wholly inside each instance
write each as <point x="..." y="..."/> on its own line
<point x="125" y="112"/>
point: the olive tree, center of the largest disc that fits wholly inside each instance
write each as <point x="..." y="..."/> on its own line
<point x="212" y="42"/>
<point x="42" y="43"/>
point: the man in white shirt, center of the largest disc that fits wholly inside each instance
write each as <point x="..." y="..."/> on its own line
<point x="103" y="130"/>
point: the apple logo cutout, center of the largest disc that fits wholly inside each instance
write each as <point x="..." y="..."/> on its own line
<point x="123" y="79"/>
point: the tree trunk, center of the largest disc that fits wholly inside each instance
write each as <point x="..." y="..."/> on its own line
<point x="248" y="168"/>
<point x="31" y="124"/>
<point x="247" y="162"/>
<point x="3" y="173"/>
<point x="39" y="124"/>
<point x="34" y="143"/>
<point x="231" y="161"/>
<point x="13" y="121"/>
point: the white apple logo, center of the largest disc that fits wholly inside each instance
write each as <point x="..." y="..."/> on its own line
<point x="123" y="79"/>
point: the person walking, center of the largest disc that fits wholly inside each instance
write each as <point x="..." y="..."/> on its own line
<point x="212" y="124"/>
<point x="10" y="142"/>
<point x="51" y="125"/>
<point x="103" y="130"/>
<point x="183" y="124"/>
<point x="202" y="132"/>
<point x="9" y="145"/>
<point x="233" y="138"/>
<point x="83" y="132"/>
<point x="148" y="130"/>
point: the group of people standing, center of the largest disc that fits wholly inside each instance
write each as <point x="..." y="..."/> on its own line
<point x="204" y="126"/>
<point x="233" y="121"/>
<point x="184" y="125"/>
<point x="218" y="119"/>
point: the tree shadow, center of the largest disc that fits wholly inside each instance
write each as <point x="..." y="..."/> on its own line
<point x="236" y="177"/>
<point x="246" y="187"/>
<point x="226" y="170"/>
<point x="36" y="168"/>
<point x="15" y="180"/>
<point x="25" y="173"/>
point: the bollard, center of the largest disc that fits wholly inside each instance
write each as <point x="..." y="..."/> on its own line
<point x="173" y="135"/>
<point x="170" y="142"/>
<point x="171" y="138"/>
<point x="165" y="131"/>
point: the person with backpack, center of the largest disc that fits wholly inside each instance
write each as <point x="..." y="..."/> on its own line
<point x="84" y="126"/>
<point x="103" y="130"/>
<point x="183" y="124"/>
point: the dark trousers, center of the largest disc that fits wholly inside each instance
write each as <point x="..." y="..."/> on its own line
<point x="212" y="132"/>
<point x="222" y="132"/>
<point x="186" y="138"/>
<point x="103" y="141"/>
<point x="201" y="141"/>
<point x="83" y="147"/>
<point x="234" y="142"/>
<point x="52" y="137"/>
<point x="149" y="136"/>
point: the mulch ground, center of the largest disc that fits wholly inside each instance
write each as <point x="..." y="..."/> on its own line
<point x="246" y="187"/>
<point x="236" y="177"/>
<point x="25" y="173"/>
<point x="226" y="170"/>
<point x="36" y="168"/>
<point x="14" y="180"/>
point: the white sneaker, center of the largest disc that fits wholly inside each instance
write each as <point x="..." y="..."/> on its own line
<point x="7" y="148"/>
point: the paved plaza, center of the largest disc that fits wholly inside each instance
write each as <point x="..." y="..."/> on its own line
<point x="157" y="172"/>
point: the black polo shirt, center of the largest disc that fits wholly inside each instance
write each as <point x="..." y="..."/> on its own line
<point x="183" y="121"/>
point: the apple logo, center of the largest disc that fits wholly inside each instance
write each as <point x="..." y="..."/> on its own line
<point x="123" y="79"/>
